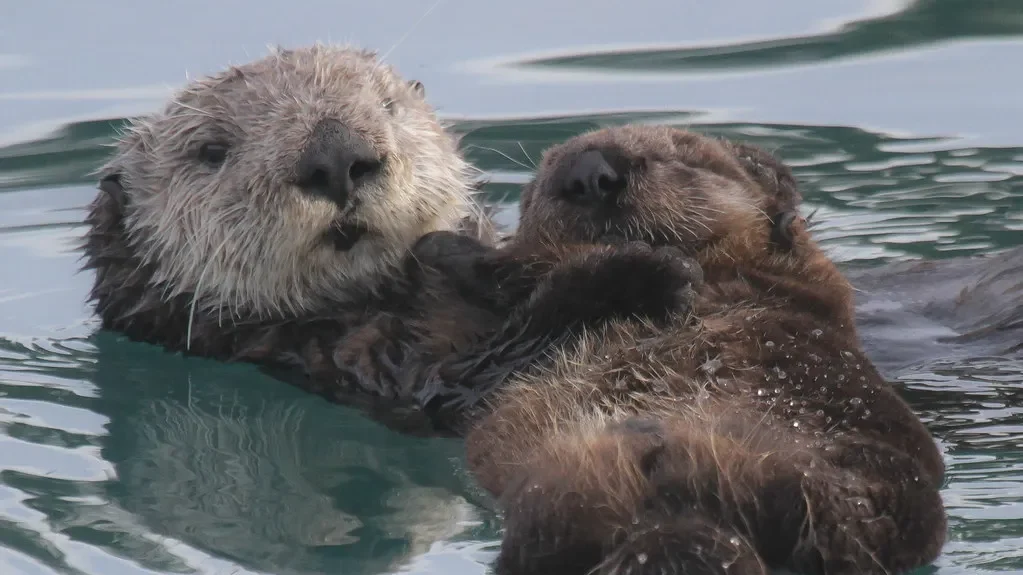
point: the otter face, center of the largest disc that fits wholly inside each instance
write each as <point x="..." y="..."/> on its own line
<point x="657" y="184"/>
<point x="275" y="186"/>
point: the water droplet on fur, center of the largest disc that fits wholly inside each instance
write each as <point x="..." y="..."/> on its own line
<point x="819" y="413"/>
<point x="855" y="402"/>
<point x="641" y="558"/>
<point x="795" y="424"/>
<point x="761" y="392"/>
<point x="824" y="388"/>
<point x="777" y="390"/>
<point x="866" y="413"/>
<point x="769" y="344"/>
<point x="781" y="373"/>
<point x="711" y="366"/>
<point x="847" y="353"/>
<point x="735" y="541"/>
<point x="816" y="333"/>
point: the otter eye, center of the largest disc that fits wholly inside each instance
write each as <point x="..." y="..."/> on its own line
<point x="213" y="153"/>
<point x="390" y="105"/>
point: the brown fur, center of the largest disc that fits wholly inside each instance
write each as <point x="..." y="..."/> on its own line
<point x="759" y="436"/>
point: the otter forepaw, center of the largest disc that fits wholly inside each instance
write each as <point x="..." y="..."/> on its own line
<point x="439" y="245"/>
<point x="687" y="545"/>
<point x="656" y="281"/>
<point x="446" y="250"/>
<point x="453" y="258"/>
<point x="630" y="280"/>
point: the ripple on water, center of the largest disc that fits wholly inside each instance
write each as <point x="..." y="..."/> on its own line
<point x="976" y="409"/>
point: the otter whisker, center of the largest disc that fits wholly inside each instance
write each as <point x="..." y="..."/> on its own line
<point x="383" y="57"/>
<point x="196" y="294"/>
<point x="526" y="154"/>
<point x="505" y="156"/>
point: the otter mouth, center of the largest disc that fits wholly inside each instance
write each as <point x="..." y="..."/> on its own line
<point x="344" y="235"/>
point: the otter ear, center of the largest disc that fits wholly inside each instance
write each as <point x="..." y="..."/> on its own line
<point x="786" y="226"/>
<point x="417" y="88"/>
<point x="771" y="173"/>
<point x="111" y="186"/>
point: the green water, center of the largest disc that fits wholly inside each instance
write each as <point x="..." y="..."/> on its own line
<point x="904" y="121"/>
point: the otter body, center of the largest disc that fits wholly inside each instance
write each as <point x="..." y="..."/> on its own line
<point x="746" y="430"/>
<point x="913" y="312"/>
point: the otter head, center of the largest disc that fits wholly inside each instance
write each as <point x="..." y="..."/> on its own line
<point x="666" y="186"/>
<point x="275" y="188"/>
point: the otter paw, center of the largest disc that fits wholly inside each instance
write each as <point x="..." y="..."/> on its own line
<point x="620" y="282"/>
<point x="687" y="545"/>
<point x="440" y="245"/>
<point x="448" y="252"/>
<point x="549" y="527"/>
<point x="454" y="256"/>
<point x="651" y="282"/>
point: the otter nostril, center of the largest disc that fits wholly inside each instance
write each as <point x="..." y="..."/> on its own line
<point x="318" y="178"/>
<point x="610" y="184"/>
<point x="364" y="168"/>
<point x="575" y="190"/>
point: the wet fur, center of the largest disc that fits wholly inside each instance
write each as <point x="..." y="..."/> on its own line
<point x="491" y="312"/>
<point x="758" y="435"/>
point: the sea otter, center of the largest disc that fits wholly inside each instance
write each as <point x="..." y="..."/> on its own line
<point x="750" y="432"/>
<point x="287" y="188"/>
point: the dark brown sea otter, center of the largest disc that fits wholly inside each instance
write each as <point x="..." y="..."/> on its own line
<point x="751" y="432"/>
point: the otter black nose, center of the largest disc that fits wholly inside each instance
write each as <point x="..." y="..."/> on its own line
<point x="591" y="179"/>
<point x="336" y="162"/>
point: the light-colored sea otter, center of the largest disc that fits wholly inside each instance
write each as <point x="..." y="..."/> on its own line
<point x="267" y="209"/>
<point x="749" y="432"/>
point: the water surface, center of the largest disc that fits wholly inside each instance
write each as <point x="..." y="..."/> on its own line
<point x="902" y="119"/>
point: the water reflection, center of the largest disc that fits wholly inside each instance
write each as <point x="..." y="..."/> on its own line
<point x="164" y="453"/>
